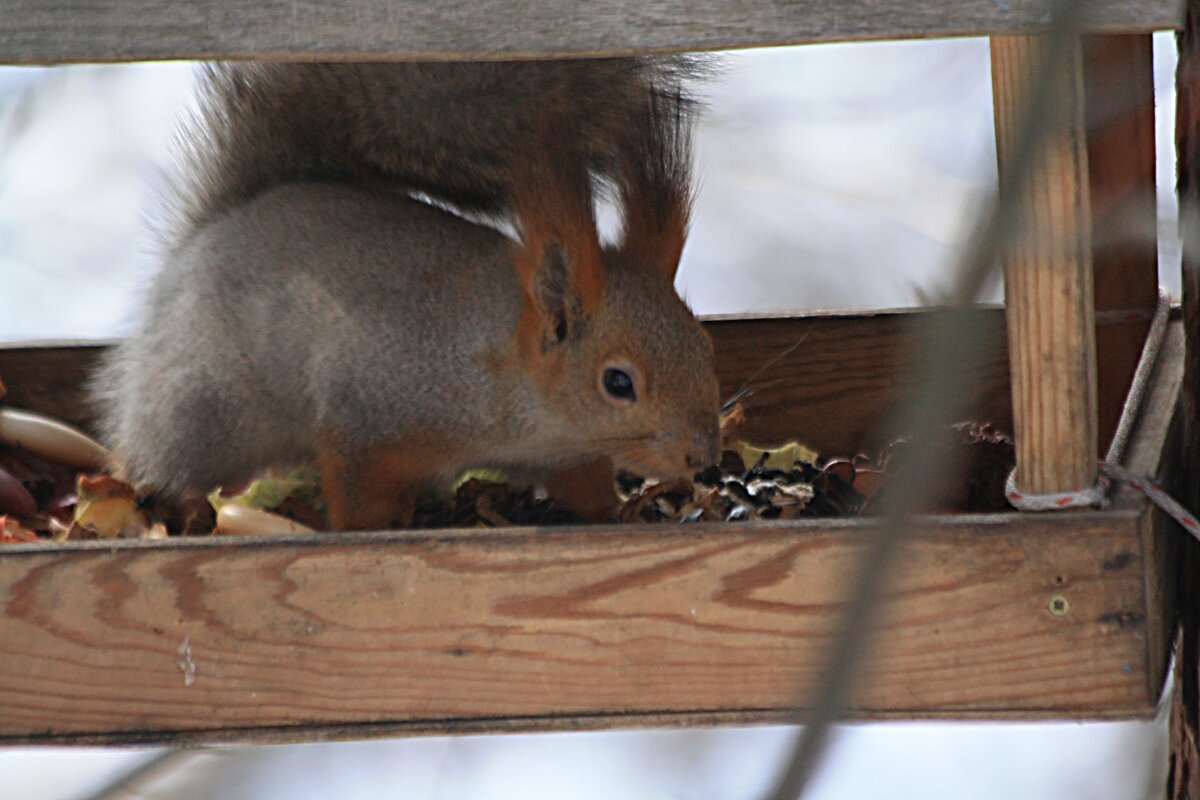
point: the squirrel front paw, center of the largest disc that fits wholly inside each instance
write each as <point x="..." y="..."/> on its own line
<point x="587" y="490"/>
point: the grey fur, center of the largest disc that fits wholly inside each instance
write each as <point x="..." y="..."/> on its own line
<point x="319" y="307"/>
<point x="305" y="294"/>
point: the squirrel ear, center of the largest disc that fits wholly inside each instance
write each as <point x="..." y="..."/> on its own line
<point x="561" y="288"/>
<point x="558" y="256"/>
<point x="560" y="310"/>
<point x="654" y="179"/>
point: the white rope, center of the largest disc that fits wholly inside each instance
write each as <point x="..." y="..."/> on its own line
<point x="1096" y="495"/>
<point x="1110" y="468"/>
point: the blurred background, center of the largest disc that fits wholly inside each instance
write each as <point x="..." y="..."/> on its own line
<point x="831" y="176"/>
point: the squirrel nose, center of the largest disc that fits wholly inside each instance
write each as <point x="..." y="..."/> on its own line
<point x="705" y="451"/>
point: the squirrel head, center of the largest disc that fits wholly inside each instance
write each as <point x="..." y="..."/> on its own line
<point x="614" y="353"/>
<point x="630" y="375"/>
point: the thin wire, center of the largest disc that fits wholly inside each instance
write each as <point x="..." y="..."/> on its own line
<point x="746" y="388"/>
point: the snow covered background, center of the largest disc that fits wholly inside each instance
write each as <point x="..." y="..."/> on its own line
<point x="833" y="176"/>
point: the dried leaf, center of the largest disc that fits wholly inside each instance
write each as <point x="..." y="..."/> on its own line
<point x="868" y="482"/>
<point x="732" y="420"/>
<point x="794" y="495"/>
<point x="107" y="507"/>
<point x="269" y="492"/>
<point x="486" y="475"/>
<point x="12" y="532"/>
<point x="486" y="512"/>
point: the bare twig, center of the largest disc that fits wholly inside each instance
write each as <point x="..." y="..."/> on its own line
<point x="944" y="394"/>
<point x="132" y="783"/>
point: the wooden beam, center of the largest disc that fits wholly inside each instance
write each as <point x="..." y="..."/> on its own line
<point x="56" y="31"/>
<point x="833" y="378"/>
<point x="1118" y="78"/>
<point x="846" y="375"/>
<point x="1048" y="277"/>
<point x="1162" y="419"/>
<point x="284" y="639"/>
<point x="1183" y="781"/>
<point x="216" y="638"/>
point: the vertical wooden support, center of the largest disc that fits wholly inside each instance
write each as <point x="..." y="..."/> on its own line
<point x="1118" y="76"/>
<point x="1048" y="277"/>
<point x="1183" y="780"/>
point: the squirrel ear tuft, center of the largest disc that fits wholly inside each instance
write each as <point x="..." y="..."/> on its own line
<point x="654" y="180"/>
<point x="558" y="255"/>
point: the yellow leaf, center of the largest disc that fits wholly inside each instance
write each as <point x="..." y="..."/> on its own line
<point x="106" y="505"/>
<point x="785" y="457"/>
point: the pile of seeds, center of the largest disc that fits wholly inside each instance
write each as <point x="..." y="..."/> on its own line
<point x="735" y="492"/>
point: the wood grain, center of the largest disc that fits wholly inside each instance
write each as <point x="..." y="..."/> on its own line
<point x="139" y="642"/>
<point x="1047" y="275"/>
<point x="51" y="377"/>
<point x="847" y="374"/>
<point x="830" y="392"/>
<point x="1154" y="449"/>
<point x="290" y="639"/>
<point x="54" y="31"/>
<point x="1183" y="780"/>
<point x="1118" y="76"/>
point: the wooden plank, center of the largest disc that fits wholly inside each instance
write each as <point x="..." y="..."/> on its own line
<point x="831" y="391"/>
<point x="846" y="376"/>
<point x="1183" y="781"/>
<point x="1154" y="450"/>
<point x="288" y="639"/>
<point x="144" y="642"/>
<point x="1048" y="278"/>
<point x="51" y="377"/>
<point x="1118" y="74"/>
<point x="55" y="31"/>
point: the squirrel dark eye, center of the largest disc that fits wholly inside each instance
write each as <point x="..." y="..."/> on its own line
<point x="618" y="384"/>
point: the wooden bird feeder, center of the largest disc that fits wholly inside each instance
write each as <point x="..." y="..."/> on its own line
<point x="999" y="616"/>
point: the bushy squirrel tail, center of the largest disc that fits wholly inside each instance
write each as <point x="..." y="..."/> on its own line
<point x="551" y="190"/>
<point x="458" y="132"/>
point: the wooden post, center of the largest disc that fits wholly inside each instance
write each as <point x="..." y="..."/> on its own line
<point x="1118" y="74"/>
<point x="1183" y="780"/>
<point x="1048" y="278"/>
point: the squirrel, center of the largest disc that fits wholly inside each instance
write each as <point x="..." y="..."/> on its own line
<point x="313" y="307"/>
